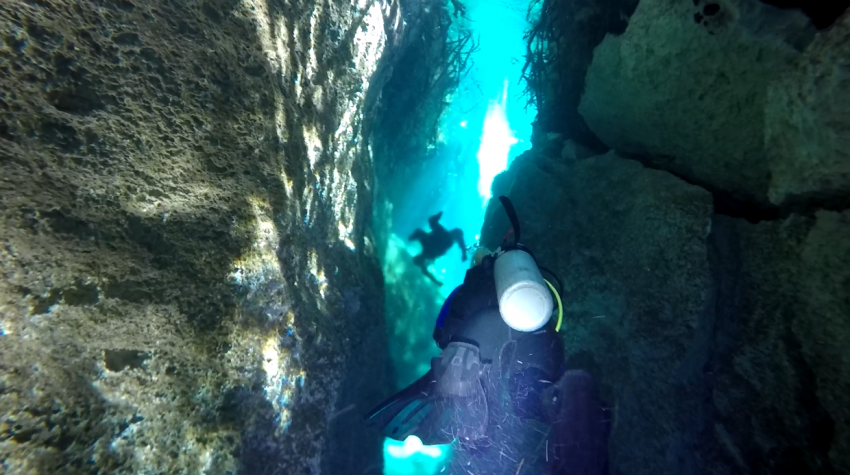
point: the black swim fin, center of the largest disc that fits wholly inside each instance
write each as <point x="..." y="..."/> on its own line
<point x="420" y="410"/>
<point x="411" y="411"/>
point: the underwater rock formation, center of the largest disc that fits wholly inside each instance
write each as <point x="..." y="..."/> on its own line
<point x="780" y="329"/>
<point x="686" y="88"/>
<point x="718" y="342"/>
<point x="807" y="128"/>
<point x="188" y="274"/>
<point x="629" y="244"/>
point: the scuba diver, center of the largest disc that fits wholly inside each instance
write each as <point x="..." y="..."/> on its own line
<point x="436" y="244"/>
<point x="499" y="388"/>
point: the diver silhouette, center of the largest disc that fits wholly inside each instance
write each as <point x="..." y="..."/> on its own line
<point x="435" y="244"/>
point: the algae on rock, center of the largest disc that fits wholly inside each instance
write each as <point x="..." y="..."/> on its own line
<point x="185" y="229"/>
<point x="561" y="42"/>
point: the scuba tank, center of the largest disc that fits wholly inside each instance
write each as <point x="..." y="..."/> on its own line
<point x="525" y="301"/>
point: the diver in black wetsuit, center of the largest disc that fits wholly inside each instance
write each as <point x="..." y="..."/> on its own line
<point x="436" y="244"/>
<point x="499" y="388"/>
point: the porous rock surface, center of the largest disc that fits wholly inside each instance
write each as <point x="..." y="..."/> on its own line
<point x="718" y="343"/>
<point x="685" y="86"/>
<point x="807" y="128"/>
<point x="629" y="245"/>
<point x="188" y="279"/>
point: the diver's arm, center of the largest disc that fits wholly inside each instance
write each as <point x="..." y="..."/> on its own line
<point x="417" y="235"/>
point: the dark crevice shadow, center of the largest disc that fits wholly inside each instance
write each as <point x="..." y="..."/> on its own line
<point x="727" y="204"/>
<point x="822" y="12"/>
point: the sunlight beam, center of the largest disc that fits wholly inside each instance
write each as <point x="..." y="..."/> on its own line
<point x="496" y="141"/>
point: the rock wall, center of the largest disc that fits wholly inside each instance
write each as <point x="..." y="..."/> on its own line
<point x="718" y="343"/>
<point x="740" y="97"/>
<point x="695" y="105"/>
<point x="705" y="257"/>
<point x="188" y="275"/>
<point x="807" y="131"/>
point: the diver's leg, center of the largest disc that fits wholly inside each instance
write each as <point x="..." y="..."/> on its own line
<point x="430" y="275"/>
<point x="457" y="236"/>
<point x="578" y="442"/>
<point x="419" y="260"/>
<point x="422" y="263"/>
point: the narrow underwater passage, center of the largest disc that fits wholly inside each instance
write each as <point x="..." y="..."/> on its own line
<point x="486" y="124"/>
<point x="205" y="209"/>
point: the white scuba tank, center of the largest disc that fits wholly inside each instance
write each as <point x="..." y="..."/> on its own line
<point x="524" y="299"/>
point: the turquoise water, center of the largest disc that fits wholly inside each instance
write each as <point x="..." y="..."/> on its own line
<point x="488" y="124"/>
<point x="488" y="115"/>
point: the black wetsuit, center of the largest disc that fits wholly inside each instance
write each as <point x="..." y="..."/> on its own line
<point x="532" y="417"/>
<point x="522" y="366"/>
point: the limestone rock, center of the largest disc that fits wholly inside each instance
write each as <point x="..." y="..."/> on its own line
<point x="719" y="343"/>
<point x="184" y="238"/>
<point x="572" y="150"/>
<point x="755" y="361"/>
<point x="686" y="87"/>
<point x="807" y="128"/>
<point x="823" y="327"/>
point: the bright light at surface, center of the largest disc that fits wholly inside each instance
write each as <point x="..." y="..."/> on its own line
<point x="463" y="123"/>
<point x="496" y="142"/>
<point x="412" y="458"/>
